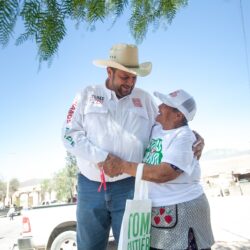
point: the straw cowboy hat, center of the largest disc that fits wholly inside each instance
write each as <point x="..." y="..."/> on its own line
<point x="125" y="57"/>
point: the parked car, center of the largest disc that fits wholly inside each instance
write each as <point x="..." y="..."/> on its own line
<point x="4" y="211"/>
<point x="44" y="203"/>
<point x="49" y="227"/>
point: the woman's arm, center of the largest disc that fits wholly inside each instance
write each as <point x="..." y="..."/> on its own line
<point x="163" y="172"/>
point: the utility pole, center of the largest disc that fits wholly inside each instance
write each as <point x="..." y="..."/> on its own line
<point x="7" y="198"/>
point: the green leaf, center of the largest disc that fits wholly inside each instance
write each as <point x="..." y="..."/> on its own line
<point x="44" y="20"/>
<point x="8" y="16"/>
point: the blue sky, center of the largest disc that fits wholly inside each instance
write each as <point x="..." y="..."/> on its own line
<point x="202" y="51"/>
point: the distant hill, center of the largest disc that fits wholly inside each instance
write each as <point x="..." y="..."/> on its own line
<point x="225" y="161"/>
<point x="30" y="182"/>
<point x="222" y="153"/>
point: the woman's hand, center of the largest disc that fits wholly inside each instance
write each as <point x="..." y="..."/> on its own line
<point x="112" y="166"/>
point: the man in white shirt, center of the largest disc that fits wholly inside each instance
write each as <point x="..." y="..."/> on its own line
<point x="113" y="118"/>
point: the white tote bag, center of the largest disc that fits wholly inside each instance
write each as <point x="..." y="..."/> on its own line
<point x="136" y="223"/>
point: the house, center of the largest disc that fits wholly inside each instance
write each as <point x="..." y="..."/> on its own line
<point x="231" y="172"/>
<point x="30" y="194"/>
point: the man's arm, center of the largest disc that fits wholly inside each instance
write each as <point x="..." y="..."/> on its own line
<point x="198" y="145"/>
<point x="74" y="135"/>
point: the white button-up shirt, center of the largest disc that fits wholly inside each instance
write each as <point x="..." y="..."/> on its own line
<point x="99" y="123"/>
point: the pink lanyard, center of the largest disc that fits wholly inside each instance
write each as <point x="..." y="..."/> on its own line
<point x="103" y="181"/>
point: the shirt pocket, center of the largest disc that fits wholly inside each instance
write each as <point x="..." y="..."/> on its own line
<point x="95" y="119"/>
<point x="95" y="109"/>
<point x="140" y="113"/>
<point x="139" y="124"/>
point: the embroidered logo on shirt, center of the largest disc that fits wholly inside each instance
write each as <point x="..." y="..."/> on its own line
<point x="137" y="102"/>
<point x="69" y="138"/>
<point x="153" y="153"/>
<point x="71" y="111"/>
<point x="95" y="99"/>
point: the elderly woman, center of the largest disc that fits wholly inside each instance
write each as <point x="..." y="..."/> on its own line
<point x="180" y="213"/>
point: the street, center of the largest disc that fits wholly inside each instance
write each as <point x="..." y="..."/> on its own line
<point x="9" y="231"/>
<point x="230" y="220"/>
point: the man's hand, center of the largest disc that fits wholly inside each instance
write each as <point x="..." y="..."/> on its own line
<point x="198" y="145"/>
<point x="100" y="164"/>
<point x="112" y="166"/>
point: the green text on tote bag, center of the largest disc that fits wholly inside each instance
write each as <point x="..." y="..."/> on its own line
<point x="139" y="231"/>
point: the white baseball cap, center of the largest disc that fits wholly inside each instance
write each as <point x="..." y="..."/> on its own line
<point x="180" y="100"/>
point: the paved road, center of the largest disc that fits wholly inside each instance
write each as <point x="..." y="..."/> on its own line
<point x="9" y="231"/>
<point x="231" y="222"/>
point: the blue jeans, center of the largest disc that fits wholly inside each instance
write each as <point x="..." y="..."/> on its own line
<point x="97" y="212"/>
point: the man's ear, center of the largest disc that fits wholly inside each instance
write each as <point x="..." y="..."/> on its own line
<point x="110" y="72"/>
